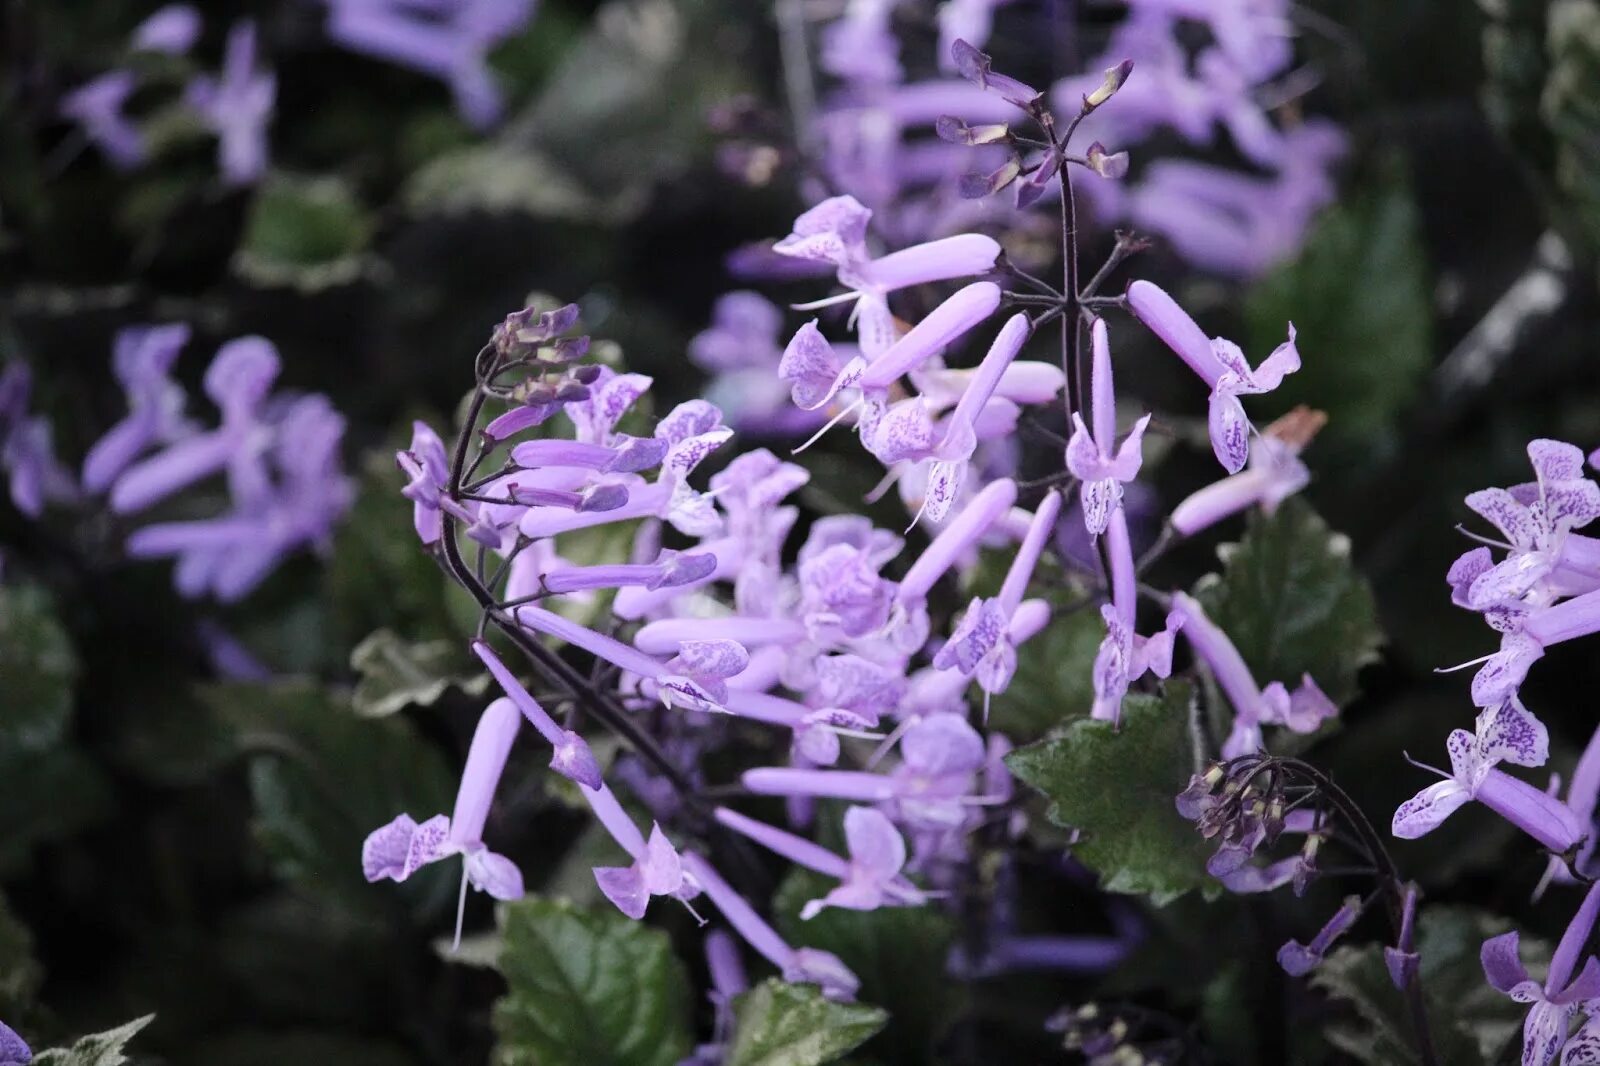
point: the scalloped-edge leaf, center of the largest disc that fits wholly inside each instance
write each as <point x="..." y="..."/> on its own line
<point x="781" y="1024"/>
<point x="588" y="988"/>
<point x="1116" y="787"/>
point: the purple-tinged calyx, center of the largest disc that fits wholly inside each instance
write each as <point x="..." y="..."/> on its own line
<point x="1298" y="959"/>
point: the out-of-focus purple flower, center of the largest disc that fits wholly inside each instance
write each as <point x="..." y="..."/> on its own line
<point x="445" y="39"/>
<point x="27" y="454"/>
<point x="142" y="361"/>
<point x="237" y="104"/>
<point x="97" y="108"/>
<point x="1544" y="1032"/>
<point x="173" y="30"/>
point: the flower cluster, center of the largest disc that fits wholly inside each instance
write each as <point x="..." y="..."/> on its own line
<point x="715" y="623"/>
<point x="1544" y="589"/>
<point x="235" y="104"/>
<point x="447" y="40"/>
<point x="278" y="454"/>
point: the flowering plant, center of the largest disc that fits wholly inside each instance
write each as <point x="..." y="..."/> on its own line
<point x="953" y="576"/>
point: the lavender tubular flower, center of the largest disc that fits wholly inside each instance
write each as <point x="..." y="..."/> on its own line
<point x="572" y="758"/>
<point x="943" y="325"/>
<point x="1303" y="711"/>
<point x="1275" y="474"/>
<point x="399" y="849"/>
<point x="657" y="868"/>
<point x="1544" y="1032"/>
<point x="237" y="105"/>
<point x="1220" y="364"/>
<point x="172" y="29"/>
<point x="97" y="108"/>
<point x="1505" y="733"/>
<point x="869" y="879"/>
<point x="1095" y="460"/>
<point x="809" y="965"/>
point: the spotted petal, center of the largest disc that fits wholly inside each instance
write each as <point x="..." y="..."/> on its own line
<point x="1423" y="813"/>
<point x="1511" y="733"/>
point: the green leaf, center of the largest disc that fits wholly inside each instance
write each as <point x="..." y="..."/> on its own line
<point x="898" y="953"/>
<point x="1570" y="107"/>
<point x="306" y="232"/>
<point x="99" y="1049"/>
<point x="780" y="1024"/>
<point x="1293" y="603"/>
<point x="47" y="796"/>
<point x="322" y="778"/>
<point x="1359" y="297"/>
<point x="588" y="988"/>
<point x="1471" y="1023"/>
<point x="1116" y="787"/>
<point x="396" y="674"/>
<point x="38" y="669"/>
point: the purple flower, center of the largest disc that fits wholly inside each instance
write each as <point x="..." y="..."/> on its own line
<point x="173" y="30"/>
<point x="1302" y="711"/>
<point x="1536" y="520"/>
<point x="869" y="879"/>
<point x="142" y="361"/>
<point x="1095" y="460"/>
<point x="238" y="381"/>
<point x="1544" y="1032"/>
<point x="571" y="756"/>
<point x="1299" y="959"/>
<point x="1125" y="656"/>
<point x="1506" y="733"/>
<point x="27" y="454"/>
<point x="445" y="39"/>
<point x="976" y="68"/>
<point x="742" y="352"/>
<point x="809" y="965"/>
<point x="402" y="847"/>
<point x="1220" y="364"/>
<point x="835" y="232"/>
<point x="14" y="1051"/>
<point x="237" y="105"/>
<point x="1275" y="474"/>
<point x="97" y="107"/>
<point x="955" y="542"/>
<point x="1583" y="793"/>
<point x="981" y="646"/>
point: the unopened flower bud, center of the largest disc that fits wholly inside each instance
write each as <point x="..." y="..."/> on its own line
<point x="977" y="186"/>
<point x="1114" y="79"/>
<point x="534" y="393"/>
<point x="956" y="131"/>
<point x="587" y="375"/>
<point x="571" y="392"/>
<point x="1113" y="165"/>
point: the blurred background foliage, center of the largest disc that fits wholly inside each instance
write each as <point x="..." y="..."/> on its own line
<point x="173" y="845"/>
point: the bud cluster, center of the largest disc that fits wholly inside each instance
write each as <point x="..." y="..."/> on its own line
<point x="1115" y="1036"/>
<point x="1244" y="805"/>
<point x="535" y="340"/>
